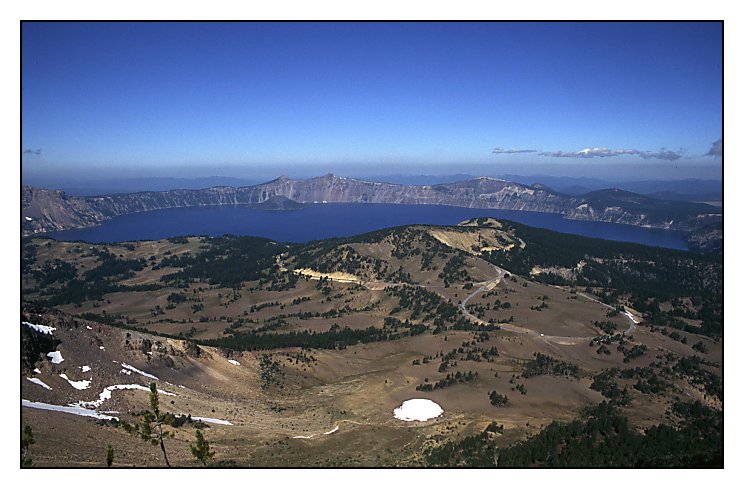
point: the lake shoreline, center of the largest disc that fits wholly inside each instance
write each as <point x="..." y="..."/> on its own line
<point x="323" y="221"/>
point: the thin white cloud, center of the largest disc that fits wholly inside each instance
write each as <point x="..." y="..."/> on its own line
<point x="509" y="151"/>
<point x="589" y="153"/>
<point x="662" y="154"/>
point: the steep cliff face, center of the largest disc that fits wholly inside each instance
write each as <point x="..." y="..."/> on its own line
<point x="483" y="193"/>
<point x="622" y="207"/>
<point x="51" y="210"/>
<point x="45" y="210"/>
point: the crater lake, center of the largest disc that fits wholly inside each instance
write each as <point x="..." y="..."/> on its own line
<point x="319" y="221"/>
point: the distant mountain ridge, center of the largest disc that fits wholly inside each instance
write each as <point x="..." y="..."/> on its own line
<point x="52" y="210"/>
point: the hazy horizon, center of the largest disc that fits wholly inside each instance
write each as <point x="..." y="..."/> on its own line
<point x="260" y="175"/>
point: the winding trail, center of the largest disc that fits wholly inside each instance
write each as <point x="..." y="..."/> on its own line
<point x="310" y="437"/>
<point x="562" y="340"/>
<point x="631" y="320"/>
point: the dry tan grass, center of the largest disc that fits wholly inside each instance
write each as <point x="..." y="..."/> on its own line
<point x="474" y="241"/>
<point x="355" y="388"/>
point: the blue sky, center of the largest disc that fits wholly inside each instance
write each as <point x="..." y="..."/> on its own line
<point x="371" y="98"/>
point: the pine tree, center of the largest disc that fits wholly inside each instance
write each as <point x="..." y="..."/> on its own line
<point x="149" y="418"/>
<point x="27" y="439"/>
<point x="155" y="416"/>
<point x="200" y="450"/>
<point x="109" y="456"/>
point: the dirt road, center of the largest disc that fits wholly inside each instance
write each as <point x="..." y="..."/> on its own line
<point x="563" y="340"/>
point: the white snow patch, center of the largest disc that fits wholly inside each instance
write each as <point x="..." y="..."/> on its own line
<point x="125" y="371"/>
<point x="332" y="431"/>
<point x="38" y="382"/>
<point x="77" y="384"/>
<point x="102" y="348"/>
<point x="234" y="362"/>
<point x="129" y="367"/>
<point x="106" y="394"/>
<point x="417" y="410"/>
<point x="37" y="371"/>
<point x="80" y="411"/>
<point x="85" y="368"/>
<point x="56" y="356"/>
<point x="211" y="420"/>
<point x="28" y="218"/>
<point x="39" y="327"/>
<point x="88" y="327"/>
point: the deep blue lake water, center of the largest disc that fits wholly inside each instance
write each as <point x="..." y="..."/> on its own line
<point x="336" y="220"/>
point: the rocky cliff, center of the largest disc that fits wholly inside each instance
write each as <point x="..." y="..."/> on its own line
<point x="52" y="210"/>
